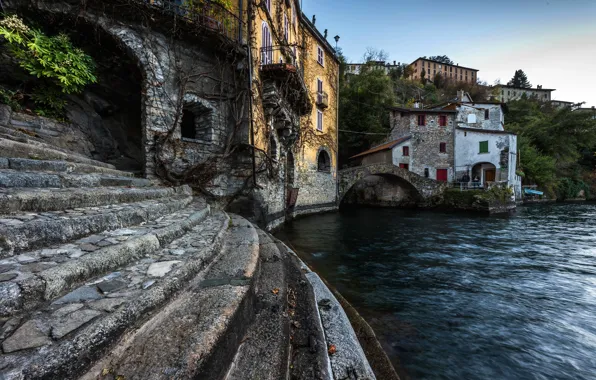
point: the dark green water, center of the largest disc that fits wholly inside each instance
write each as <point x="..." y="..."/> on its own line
<point x="459" y="296"/>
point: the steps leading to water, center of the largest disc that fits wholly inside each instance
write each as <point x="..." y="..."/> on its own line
<point x="105" y="275"/>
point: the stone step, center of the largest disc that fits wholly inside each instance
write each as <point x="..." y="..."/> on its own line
<point x="197" y="334"/>
<point x="36" y="230"/>
<point x="45" y="274"/>
<point x="65" y="338"/>
<point x="264" y="351"/>
<point x="15" y="200"/>
<point x="12" y="178"/>
<point x="42" y="151"/>
<point x="29" y="165"/>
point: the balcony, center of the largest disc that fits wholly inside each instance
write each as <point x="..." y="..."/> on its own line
<point x="322" y="100"/>
<point x="207" y="15"/>
<point x="279" y="64"/>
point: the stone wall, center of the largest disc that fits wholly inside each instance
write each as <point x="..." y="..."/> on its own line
<point x="425" y="146"/>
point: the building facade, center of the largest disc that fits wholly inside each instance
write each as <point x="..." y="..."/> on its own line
<point x="448" y="72"/>
<point x="506" y="93"/>
<point x="356" y="68"/>
<point x="294" y="113"/>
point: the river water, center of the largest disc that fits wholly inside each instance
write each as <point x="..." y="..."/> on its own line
<point x="464" y="296"/>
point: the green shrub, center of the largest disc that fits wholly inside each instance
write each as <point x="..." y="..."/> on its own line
<point x="9" y="97"/>
<point x="53" y="58"/>
<point x="570" y="188"/>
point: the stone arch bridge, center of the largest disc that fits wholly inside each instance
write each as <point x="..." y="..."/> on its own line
<point x="426" y="189"/>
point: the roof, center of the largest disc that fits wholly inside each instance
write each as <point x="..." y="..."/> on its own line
<point x="420" y="110"/>
<point x="526" y="88"/>
<point x="443" y="63"/>
<point x="319" y="36"/>
<point x="452" y="104"/>
<point x="491" y="131"/>
<point x="386" y="146"/>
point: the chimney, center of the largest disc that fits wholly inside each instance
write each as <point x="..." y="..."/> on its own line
<point x="539" y="87"/>
<point x="314" y="19"/>
<point x="394" y="63"/>
<point x="460" y="95"/>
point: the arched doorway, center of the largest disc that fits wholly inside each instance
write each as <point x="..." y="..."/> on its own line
<point x="324" y="162"/>
<point x="485" y="174"/>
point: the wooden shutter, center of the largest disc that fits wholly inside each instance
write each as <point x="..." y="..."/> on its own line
<point x="483" y="147"/>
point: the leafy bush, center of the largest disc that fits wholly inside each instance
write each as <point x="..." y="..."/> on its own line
<point x="53" y="58"/>
<point x="570" y="188"/>
<point x="9" y="97"/>
<point x="50" y="102"/>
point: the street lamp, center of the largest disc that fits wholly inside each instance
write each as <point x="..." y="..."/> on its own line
<point x="336" y="38"/>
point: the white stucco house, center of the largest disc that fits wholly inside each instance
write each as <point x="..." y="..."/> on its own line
<point x="483" y="149"/>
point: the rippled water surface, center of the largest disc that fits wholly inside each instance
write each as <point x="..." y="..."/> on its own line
<point x="459" y="296"/>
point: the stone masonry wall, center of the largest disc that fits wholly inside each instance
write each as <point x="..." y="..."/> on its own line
<point x="425" y="146"/>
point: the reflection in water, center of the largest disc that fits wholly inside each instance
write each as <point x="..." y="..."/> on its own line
<point x="460" y="296"/>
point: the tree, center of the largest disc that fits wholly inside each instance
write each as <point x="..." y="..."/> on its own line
<point x="441" y="58"/>
<point x="520" y="79"/>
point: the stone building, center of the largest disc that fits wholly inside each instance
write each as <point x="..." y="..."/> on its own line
<point x="432" y="68"/>
<point x="421" y="141"/>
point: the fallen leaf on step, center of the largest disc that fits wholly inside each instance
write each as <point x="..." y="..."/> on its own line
<point x="106" y="372"/>
<point x="275" y="291"/>
<point x="332" y="349"/>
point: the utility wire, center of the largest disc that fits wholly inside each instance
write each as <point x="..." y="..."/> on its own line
<point x="363" y="133"/>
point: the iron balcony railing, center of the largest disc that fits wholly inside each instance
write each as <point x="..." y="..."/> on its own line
<point x="278" y="55"/>
<point x="322" y="99"/>
<point x="207" y="14"/>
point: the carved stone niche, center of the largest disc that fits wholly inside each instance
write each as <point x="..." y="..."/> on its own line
<point x="199" y="120"/>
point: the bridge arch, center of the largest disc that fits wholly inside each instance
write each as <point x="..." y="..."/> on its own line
<point x="424" y="188"/>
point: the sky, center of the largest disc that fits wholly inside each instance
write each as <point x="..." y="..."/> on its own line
<point x="553" y="41"/>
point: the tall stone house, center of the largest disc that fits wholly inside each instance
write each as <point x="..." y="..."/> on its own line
<point x="449" y="72"/>
<point x="295" y="110"/>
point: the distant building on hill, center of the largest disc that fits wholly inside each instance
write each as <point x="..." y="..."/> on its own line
<point x="507" y="93"/>
<point x="356" y="68"/>
<point x="448" y="72"/>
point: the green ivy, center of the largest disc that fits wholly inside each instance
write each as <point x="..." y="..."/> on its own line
<point x="53" y="58"/>
<point x="50" y="102"/>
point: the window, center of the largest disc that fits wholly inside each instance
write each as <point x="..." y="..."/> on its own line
<point x="404" y="166"/>
<point x="472" y="118"/>
<point x="442" y="175"/>
<point x="266" y="45"/>
<point x="319" y="120"/>
<point x="442" y="121"/>
<point x="188" y="125"/>
<point x="324" y="162"/>
<point x="319" y="86"/>
<point x="426" y="172"/>
<point x="286" y="28"/>
<point x="483" y="147"/>
<point x="443" y="147"/>
<point x="268" y="5"/>
<point x="405" y="151"/>
<point x="486" y="114"/>
<point x="421" y="120"/>
<point x="320" y="56"/>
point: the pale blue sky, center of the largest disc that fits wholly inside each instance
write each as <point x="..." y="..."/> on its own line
<point x="553" y="41"/>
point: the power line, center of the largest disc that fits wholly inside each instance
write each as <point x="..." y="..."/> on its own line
<point x="362" y="133"/>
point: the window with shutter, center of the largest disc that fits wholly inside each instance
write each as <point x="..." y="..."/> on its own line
<point x="319" y="121"/>
<point x="406" y="151"/>
<point x="421" y="120"/>
<point x="442" y="121"/>
<point x="320" y="56"/>
<point x="266" y="44"/>
<point x="486" y="114"/>
<point x="483" y="147"/>
<point x="443" y="147"/>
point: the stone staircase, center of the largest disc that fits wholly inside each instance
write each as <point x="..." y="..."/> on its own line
<point x="108" y="276"/>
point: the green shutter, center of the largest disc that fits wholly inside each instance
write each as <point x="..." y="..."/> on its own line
<point x="483" y="147"/>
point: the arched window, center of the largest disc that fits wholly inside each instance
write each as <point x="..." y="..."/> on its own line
<point x="324" y="162"/>
<point x="266" y="45"/>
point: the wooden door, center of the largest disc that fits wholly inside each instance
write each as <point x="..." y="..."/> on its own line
<point x="489" y="175"/>
<point x="442" y="175"/>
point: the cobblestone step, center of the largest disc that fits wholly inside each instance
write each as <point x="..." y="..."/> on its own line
<point x="42" y="151"/>
<point x="264" y="351"/>
<point x="65" y="338"/>
<point x="45" y="274"/>
<point x="15" y="200"/>
<point x="12" y="178"/>
<point x="35" y="230"/>
<point x="197" y="334"/>
<point x="29" y="165"/>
